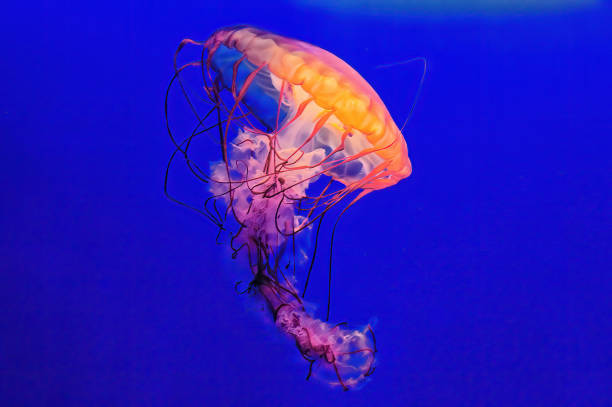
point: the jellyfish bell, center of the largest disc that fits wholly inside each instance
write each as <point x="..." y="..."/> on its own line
<point x="289" y="115"/>
<point x="317" y="91"/>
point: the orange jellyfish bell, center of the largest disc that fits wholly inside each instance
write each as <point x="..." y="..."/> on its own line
<point x="346" y="105"/>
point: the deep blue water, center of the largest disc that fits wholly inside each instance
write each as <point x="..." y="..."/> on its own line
<point x="488" y="270"/>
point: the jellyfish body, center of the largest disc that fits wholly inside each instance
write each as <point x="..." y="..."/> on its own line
<point x="330" y="104"/>
<point x="289" y="115"/>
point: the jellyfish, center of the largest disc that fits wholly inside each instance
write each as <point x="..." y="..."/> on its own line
<point x="296" y="132"/>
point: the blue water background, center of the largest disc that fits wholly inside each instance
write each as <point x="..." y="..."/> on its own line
<point x="488" y="270"/>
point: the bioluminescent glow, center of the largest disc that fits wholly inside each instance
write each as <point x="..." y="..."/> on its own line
<point x="297" y="132"/>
